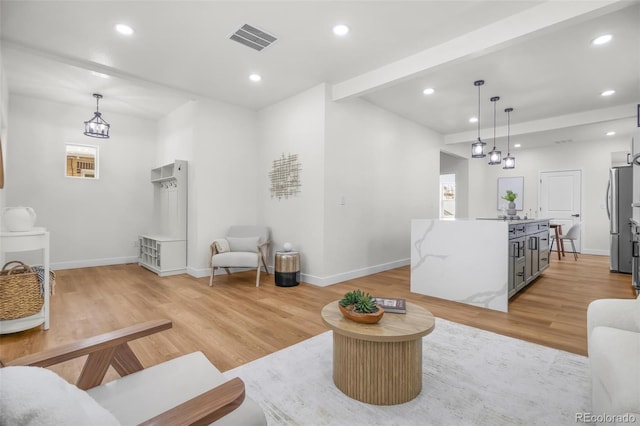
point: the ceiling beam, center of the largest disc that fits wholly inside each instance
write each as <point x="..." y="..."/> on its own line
<point x="554" y="123"/>
<point x="484" y="40"/>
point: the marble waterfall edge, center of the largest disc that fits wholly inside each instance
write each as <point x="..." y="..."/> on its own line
<point x="461" y="260"/>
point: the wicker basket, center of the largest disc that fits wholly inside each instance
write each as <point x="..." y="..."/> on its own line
<point x="20" y="294"/>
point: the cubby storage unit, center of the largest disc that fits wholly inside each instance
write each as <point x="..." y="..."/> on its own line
<point x="164" y="251"/>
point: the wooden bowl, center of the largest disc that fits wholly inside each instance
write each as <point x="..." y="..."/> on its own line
<point x="360" y="317"/>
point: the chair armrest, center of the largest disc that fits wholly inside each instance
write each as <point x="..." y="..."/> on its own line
<point x="104" y="350"/>
<point x="204" y="409"/>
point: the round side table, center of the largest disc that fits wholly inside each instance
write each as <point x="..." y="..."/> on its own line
<point x="287" y="268"/>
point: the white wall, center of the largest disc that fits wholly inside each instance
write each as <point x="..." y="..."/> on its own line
<point x="91" y="221"/>
<point x="219" y="142"/>
<point x="295" y="126"/>
<point x="592" y="158"/>
<point x="386" y="169"/>
<point x="4" y="123"/>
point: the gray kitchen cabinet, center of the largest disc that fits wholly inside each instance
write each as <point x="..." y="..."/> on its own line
<point x="528" y="253"/>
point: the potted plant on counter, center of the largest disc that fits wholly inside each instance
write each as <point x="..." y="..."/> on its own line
<point x="360" y="307"/>
<point x="510" y="196"/>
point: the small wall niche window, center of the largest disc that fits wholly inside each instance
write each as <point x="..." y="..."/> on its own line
<point x="82" y="161"/>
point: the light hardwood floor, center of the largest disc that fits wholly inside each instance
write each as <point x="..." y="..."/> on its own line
<point x="234" y="322"/>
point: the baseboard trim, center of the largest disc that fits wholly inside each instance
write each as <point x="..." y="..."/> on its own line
<point x="75" y="264"/>
<point x="314" y="279"/>
<point x="591" y="251"/>
<point x="356" y="273"/>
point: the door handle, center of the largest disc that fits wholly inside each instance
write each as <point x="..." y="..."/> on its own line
<point x="634" y="249"/>
<point x="575" y="215"/>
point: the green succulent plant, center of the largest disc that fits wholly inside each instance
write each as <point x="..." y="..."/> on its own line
<point x="363" y="303"/>
<point x="510" y="196"/>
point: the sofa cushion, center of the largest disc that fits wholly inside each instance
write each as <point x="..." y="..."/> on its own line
<point x="617" y="313"/>
<point x="247" y="244"/>
<point x="149" y="392"/>
<point x="615" y="370"/>
<point x="37" y="396"/>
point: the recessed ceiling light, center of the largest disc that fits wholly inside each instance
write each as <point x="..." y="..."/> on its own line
<point x="255" y="77"/>
<point x="124" y="29"/>
<point x="517" y="145"/>
<point x="473" y="120"/>
<point x="608" y="92"/>
<point x="99" y="74"/>
<point x="603" y="39"/>
<point x="341" y="30"/>
<point x="611" y="133"/>
<point x="428" y="91"/>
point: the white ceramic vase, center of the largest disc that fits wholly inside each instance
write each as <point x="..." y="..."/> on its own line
<point x="511" y="211"/>
<point x="18" y="219"/>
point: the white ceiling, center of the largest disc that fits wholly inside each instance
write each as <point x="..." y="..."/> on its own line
<point x="535" y="55"/>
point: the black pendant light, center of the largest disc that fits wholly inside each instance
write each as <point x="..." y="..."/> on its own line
<point x="97" y="127"/>
<point x="509" y="161"/>
<point x="477" y="148"/>
<point x="495" y="156"/>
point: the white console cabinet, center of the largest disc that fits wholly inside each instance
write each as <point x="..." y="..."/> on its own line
<point x="164" y="251"/>
<point x="15" y="242"/>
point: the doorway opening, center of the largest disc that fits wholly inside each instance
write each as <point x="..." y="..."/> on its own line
<point x="448" y="196"/>
<point x="453" y="190"/>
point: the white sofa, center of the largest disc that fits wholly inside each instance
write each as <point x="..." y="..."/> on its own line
<point x="613" y="327"/>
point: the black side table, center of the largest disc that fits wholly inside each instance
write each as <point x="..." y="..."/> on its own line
<point x="287" y="268"/>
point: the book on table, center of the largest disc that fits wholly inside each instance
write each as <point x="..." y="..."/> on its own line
<point x="392" y="305"/>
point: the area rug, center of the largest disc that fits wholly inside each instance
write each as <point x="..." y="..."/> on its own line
<point x="470" y="377"/>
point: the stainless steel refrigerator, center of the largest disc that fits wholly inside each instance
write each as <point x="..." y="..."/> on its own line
<point x="619" y="199"/>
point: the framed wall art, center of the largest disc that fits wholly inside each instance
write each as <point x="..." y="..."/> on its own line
<point x="515" y="184"/>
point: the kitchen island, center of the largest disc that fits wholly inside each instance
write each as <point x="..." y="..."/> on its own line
<point x="477" y="262"/>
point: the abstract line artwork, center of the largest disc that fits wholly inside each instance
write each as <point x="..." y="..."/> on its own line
<point x="285" y="176"/>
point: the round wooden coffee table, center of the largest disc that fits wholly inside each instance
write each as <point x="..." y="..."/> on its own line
<point x="379" y="363"/>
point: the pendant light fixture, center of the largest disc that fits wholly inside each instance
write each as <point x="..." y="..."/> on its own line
<point x="477" y="148"/>
<point x="97" y="127"/>
<point x="495" y="156"/>
<point x="509" y="161"/>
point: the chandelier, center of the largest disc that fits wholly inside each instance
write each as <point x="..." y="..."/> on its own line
<point x="97" y="127"/>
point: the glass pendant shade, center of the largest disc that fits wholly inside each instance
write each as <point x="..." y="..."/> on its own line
<point x="495" y="156"/>
<point x="97" y="127"/>
<point x="477" y="148"/>
<point x="509" y="161"/>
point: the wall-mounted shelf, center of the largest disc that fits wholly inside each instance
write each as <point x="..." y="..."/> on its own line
<point x="168" y="172"/>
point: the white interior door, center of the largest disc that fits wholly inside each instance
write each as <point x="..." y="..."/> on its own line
<point x="560" y="199"/>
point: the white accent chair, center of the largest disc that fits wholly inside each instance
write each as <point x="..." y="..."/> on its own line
<point x="243" y="247"/>
<point x="185" y="390"/>
<point x="572" y="235"/>
<point x="613" y="335"/>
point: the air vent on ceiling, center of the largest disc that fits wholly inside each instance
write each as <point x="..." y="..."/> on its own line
<point x="253" y="37"/>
